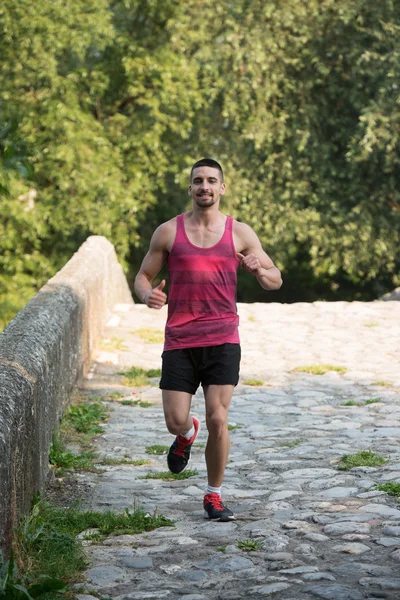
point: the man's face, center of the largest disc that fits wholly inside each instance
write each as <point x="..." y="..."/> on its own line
<point x="206" y="186"/>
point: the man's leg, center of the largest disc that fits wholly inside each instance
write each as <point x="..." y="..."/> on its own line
<point x="180" y="423"/>
<point x="176" y="411"/>
<point x="218" y="399"/>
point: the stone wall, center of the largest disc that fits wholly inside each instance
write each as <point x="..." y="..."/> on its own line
<point x="44" y="351"/>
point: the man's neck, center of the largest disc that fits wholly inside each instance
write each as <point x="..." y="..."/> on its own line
<point x="206" y="217"/>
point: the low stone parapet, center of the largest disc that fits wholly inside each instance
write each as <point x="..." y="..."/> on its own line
<point x="44" y="351"/>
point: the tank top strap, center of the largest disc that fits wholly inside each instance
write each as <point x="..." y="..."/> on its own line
<point x="180" y="229"/>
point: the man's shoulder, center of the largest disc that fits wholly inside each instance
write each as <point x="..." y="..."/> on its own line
<point x="165" y="234"/>
<point x="240" y="228"/>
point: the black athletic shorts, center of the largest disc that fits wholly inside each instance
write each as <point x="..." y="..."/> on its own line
<point x="184" y="370"/>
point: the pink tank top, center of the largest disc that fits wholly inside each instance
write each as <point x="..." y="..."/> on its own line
<point x="202" y="292"/>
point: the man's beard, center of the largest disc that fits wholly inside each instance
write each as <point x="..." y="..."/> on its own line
<point x="205" y="201"/>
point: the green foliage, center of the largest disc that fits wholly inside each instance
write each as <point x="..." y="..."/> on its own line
<point x="292" y="444"/>
<point x="85" y="418"/>
<point x="249" y="545"/>
<point x="390" y="487"/>
<point x="12" y="587"/>
<point x="157" y="449"/>
<point x="253" y="382"/>
<point x="61" y="458"/>
<point x="138" y="377"/>
<point x="47" y="538"/>
<point x="364" y="458"/>
<point x="299" y="101"/>
<point x="167" y="475"/>
<point x="319" y="369"/>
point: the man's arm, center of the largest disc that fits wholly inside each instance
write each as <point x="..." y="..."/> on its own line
<point x="151" y="266"/>
<point x="253" y="258"/>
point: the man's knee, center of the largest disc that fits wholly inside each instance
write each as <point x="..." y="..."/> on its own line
<point x="217" y="423"/>
<point x="176" y="423"/>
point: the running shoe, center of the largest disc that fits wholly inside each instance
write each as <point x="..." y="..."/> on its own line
<point x="215" y="510"/>
<point x="179" y="452"/>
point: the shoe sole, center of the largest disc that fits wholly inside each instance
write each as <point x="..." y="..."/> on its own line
<point x="218" y="519"/>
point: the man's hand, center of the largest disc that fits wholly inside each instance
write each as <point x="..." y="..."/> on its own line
<point x="250" y="263"/>
<point x="156" y="298"/>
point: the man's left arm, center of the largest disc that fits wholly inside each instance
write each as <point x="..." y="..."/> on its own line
<point x="254" y="260"/>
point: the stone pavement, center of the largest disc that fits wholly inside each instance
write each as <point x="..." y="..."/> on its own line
<point x="321" y="532"/>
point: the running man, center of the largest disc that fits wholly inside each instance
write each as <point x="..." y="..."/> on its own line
<point x="203" y="249"/>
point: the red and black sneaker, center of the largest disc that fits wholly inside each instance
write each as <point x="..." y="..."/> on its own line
<point x="179" y="452"/>
<point x="215" y="510"/>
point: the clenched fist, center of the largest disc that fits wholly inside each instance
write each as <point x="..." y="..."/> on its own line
<point x="250" y="263"/>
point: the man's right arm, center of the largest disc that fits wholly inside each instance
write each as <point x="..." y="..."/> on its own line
<point x="151" y="266"/>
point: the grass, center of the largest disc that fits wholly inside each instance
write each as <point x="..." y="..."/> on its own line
<point x="62" y="459"/>
<point x="254" y="382"/>
<point x="47" y="543"/>
<point x="80" y="424"/>
<point x="113" y="343"/>
<point x="373" y="400"/>
<point x="291" y="444"/>
<point x="364" y="458"/>
<point x="157" y="449"/>
<point x="86" y="417"/>
<point x="390" y="487"/>
<point x="249" y="545"/>
<point x="167" y="475"/>
<point x="152" y="336"/>
<point x="232" y="427"/>
<point x="115" y="396"/>
<point x="319" y="369"/>
<point x="136" y="376"/>
<point x="126" y="461"/>
<point x="382" y="383"/>
<point x="221" y="549"/>
<point x="352" y="403"/>
<point x="128" y="402"/>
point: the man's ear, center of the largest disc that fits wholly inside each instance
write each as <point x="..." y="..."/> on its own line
<point x="222" y="189"/>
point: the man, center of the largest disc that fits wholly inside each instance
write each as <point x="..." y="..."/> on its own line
<point x="203" y="249"/>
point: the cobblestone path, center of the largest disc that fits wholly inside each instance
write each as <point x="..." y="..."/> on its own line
<point x="319" y="532"/>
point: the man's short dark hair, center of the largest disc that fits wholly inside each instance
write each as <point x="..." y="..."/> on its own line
<point x="207" y="162"/>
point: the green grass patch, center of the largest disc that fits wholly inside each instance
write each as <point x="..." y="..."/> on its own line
<point x="364" y="458"/>
<point x="373" y="400"/>
<point x="167" y="475"/>
<point x="138" y="462"/>
<point x="292" y="444"/>
<point x="249" y="545"/>
<point x="128" y="402"/>
<point x="232" y="427"/>
<point x="352" y="403"/>
<point x="136" y="376"/>
<point x="115" y="396"/>
<point x="61" y="458"/>
<point x="253" y="382"/>
<point x="382" y="383"/>
<point x="157" y="449"/>
<point x="152" y="336"/>
<point x="47" y="542"/>
<point x="221" y="549"/>
<point x="390" y="487"/>
<point x="113" y="343"/>
<point x="144" y="403"/>
<point x="319" y="369"/>
<point x="86" y="417"/>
